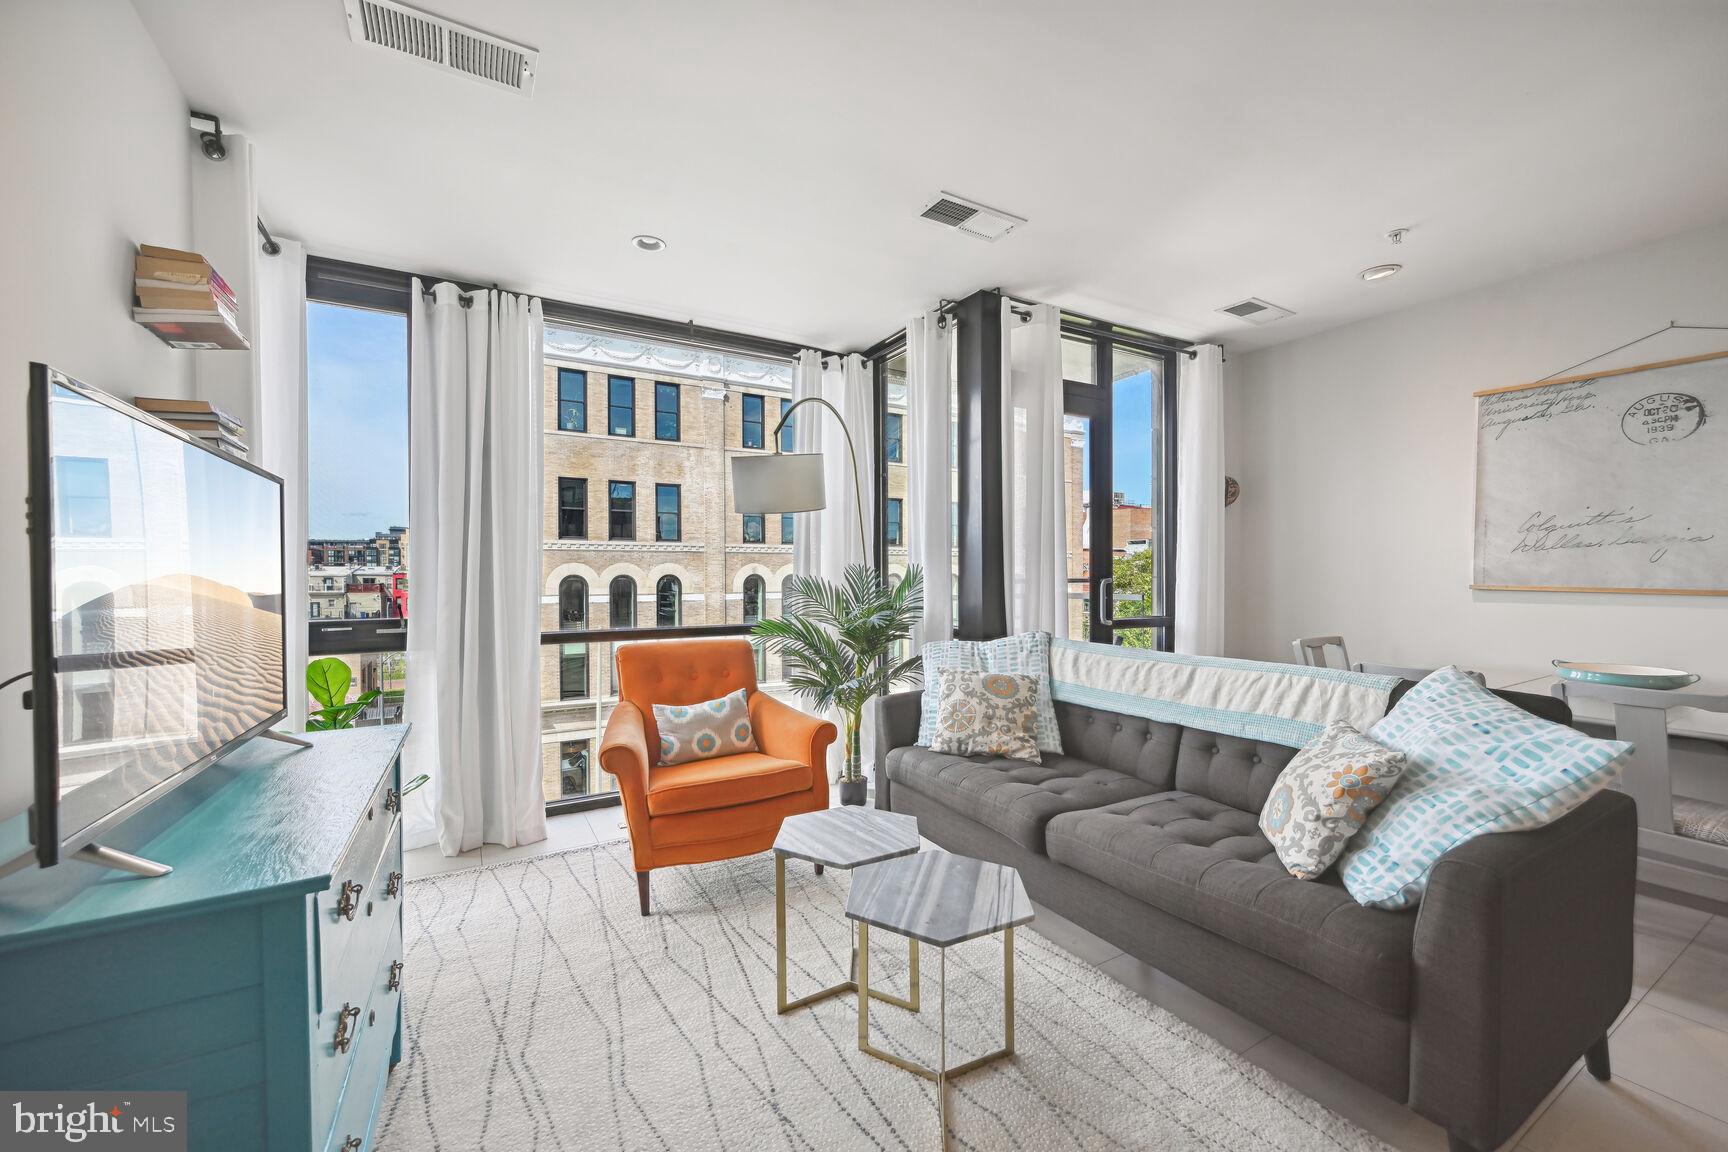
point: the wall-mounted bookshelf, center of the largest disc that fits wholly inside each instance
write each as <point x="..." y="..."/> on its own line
<point x="185" y="301"/>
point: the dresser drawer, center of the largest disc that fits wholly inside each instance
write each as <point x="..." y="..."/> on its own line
<point x="340" y="908"/>
<point x="374" y="942"/>
<point x="362" y="1090"/>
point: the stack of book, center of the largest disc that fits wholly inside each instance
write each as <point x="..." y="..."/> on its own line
<point x="200" y="419"/>
<point x="184" y="300"/>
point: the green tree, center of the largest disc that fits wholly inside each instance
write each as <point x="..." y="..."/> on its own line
<point x="1136" y="594"/>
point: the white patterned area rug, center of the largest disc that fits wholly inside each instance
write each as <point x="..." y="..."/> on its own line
<point x="544" y="1013"/>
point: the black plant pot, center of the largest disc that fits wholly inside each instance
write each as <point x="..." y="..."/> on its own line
<point x="853" y="791"/>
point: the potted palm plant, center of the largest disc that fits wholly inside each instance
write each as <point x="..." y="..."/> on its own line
<point x="835" y="641"/>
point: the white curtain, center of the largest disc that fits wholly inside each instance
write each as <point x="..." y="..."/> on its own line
<point x="281" y="440"/>
<point x="1035" y="537"/>
<point x="807" y="437"/>
<point x="929" y="349"/>
<point x="475" y="510"/>
<point x="1199" y="573"/>
<point x="827" y="541"/>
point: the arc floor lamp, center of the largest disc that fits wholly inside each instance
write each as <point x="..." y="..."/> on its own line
<point x="792" y="481"/>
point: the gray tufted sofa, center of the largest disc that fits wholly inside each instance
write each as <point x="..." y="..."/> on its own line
<point x="1470" y="1007"/>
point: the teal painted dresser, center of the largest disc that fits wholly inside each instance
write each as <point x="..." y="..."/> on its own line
<point x="262" y="976"/>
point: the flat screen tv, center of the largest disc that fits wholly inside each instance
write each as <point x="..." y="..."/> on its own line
<point x="156" y="603"/>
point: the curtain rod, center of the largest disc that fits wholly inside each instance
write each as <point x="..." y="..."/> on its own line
<point x="1089" y="326"/>
<point x="271" y="248"/>
<point x="389" y="287"/>
<point x="946" y="307"/>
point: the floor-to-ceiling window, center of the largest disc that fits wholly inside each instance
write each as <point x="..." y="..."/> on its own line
<point x="357" y="547"/>
<point x="641" y="539"/>
<point x="641" y="529"/>
<point x="1118" y="471"/>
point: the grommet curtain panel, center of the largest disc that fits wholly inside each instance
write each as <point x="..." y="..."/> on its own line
<point x="1035" y="536"/>
<point x="826" y="541"/>
<point x="281" y="342"/>
<point x="1199" y="571"/>
<point x="929" y="352"/>
<point x="476" y="510"/>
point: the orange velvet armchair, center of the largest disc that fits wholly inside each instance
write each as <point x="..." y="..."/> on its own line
<point x="707" y="809"/>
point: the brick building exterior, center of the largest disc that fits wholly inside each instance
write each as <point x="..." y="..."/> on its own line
<point x="639" y="531"/>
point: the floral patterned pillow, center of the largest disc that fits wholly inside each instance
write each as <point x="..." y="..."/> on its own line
<point x="702" y="731"/>
<point x="987" y="714"/>
<point x="1324" y="794"/>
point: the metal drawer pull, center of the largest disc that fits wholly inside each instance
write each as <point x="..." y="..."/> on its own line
<point x="349" y="903"/>
<point x="352" y="1144"/>
<point x="347" y="1023"/>
<point x="395" y="976"/>
<point x="394" y="884"/>
<point x="392" y="800"/>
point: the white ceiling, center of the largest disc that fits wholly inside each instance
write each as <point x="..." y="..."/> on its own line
<point x="1172" y="157"/>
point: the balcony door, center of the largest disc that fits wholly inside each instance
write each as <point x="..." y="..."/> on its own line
<point x="1120" y="429"/>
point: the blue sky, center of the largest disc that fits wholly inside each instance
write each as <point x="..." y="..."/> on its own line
<point x="1131" y="435"/>
<point x="357" y="420"/>
<point x="1131" y="432"/>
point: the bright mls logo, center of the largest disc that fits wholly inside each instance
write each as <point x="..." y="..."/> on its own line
<point x="135" y="1121"/>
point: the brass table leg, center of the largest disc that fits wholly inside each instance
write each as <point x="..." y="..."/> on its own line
<point x="781" y="1004"/>
<point x="941" y="1074"/>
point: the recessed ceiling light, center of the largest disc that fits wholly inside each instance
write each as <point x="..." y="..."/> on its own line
<point x="648" y="243"/>
<point x="1381" y="271"/>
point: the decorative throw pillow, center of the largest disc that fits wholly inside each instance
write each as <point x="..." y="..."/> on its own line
<point x="988" y="714"/>
<point x="1477" y="764"/>
<point x="1323" y="796"/>
<point x="702" y="731"/>
<point x="1027" y="654"/>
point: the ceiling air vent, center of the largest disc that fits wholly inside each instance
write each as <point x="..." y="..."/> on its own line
<point x="1256" y="311"/>
<point x="970" y="217"/>
<point x="442" y="43"/>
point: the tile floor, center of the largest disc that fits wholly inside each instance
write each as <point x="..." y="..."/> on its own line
<point x="1669" y="1048"/>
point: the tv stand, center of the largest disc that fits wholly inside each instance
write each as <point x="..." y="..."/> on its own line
<point x="272" y="734"/>
<point x="124" y="861"/>
<point x="240" y="980"/>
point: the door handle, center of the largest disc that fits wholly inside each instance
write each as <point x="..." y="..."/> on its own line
<point x="1106" y="607"/>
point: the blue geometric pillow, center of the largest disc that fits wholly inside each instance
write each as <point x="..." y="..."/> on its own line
<point x="1475" y="764"/>
<point x="702" y="731"/>
<point x="1025" y="654"/>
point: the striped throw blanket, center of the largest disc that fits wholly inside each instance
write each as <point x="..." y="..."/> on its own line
<point x="1279" y="703"/>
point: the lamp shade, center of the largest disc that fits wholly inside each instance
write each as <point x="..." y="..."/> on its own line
<point x="782" y="482"/>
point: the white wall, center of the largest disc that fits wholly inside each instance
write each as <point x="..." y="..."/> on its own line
<point x="1355" y="450"/>
<point x="94" y="135"/>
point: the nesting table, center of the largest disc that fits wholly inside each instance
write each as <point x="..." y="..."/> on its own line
<point x="940" y="899"/>
<point x="845" y="837"/>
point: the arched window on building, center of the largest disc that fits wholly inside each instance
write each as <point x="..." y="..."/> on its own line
<point x="573" y="602"/>
<point x="622" y="596"/>
<point x="755" y="591"/>
<point x="668" y="603"/>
